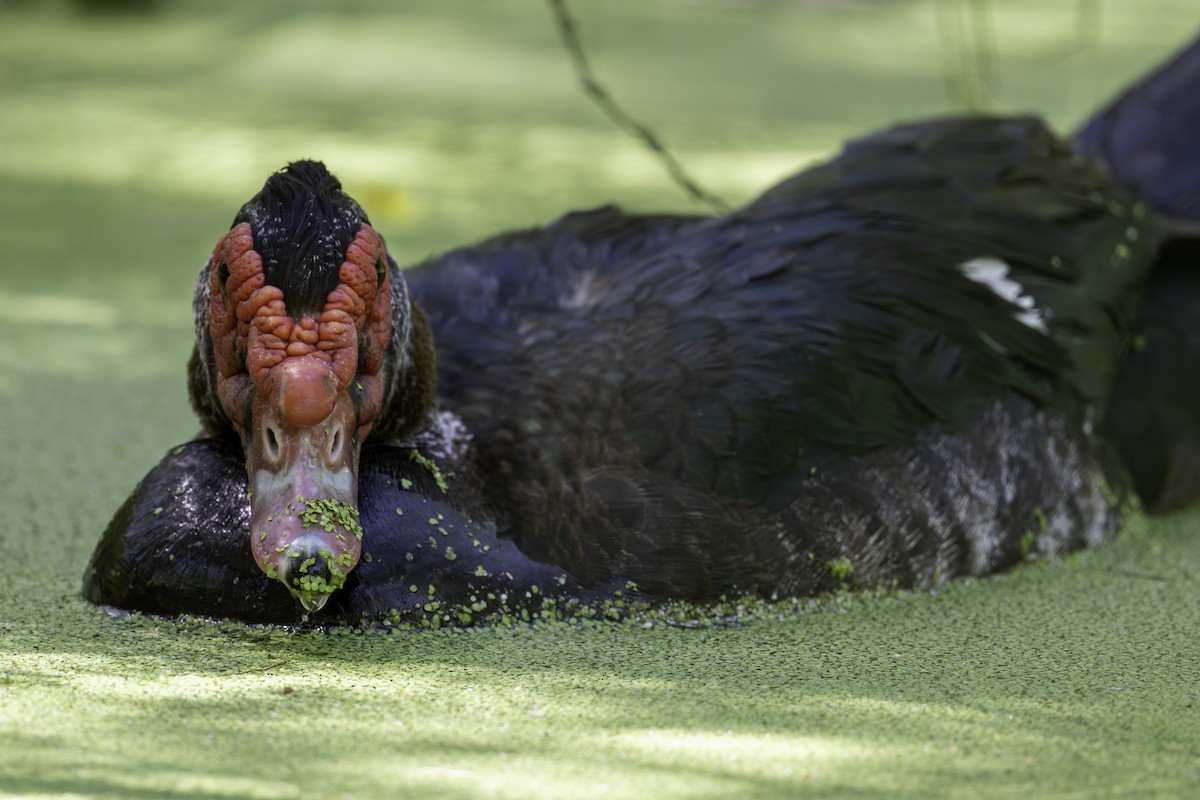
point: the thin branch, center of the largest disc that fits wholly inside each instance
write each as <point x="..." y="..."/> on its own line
<point x="985" y="49"/>
<point x="278" y="663"/>
<point x="568" y="30"/>
<point x="967" y="65"/>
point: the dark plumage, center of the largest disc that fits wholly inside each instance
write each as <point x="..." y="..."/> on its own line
<point x="886" y="369"/>
<point x="1147" y="140"/>
<point x="1147" y="137"/>
<point x="1153" y="418"/>
<point x="303" y="222"/>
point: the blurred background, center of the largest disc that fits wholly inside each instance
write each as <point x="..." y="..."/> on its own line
<point x="131" y="132"/>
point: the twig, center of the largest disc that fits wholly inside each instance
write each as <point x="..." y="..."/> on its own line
<point x="967" y="67"/>
<point x="1132" y="572"/>
<point x="278" y="663"/>
<point x="592" y="88"/>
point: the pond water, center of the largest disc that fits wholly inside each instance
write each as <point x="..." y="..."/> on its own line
<point x="126" y="146"/>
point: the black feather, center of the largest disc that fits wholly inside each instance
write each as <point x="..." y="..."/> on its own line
<point x="1148" y="137"/>
<point x="302" y="223"/>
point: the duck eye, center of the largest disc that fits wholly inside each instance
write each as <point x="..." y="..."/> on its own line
<point x="222" y="274"/>
<point x="380" y="271"/>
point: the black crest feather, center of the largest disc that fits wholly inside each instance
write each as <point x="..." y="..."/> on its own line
<point x="302" y="223"/>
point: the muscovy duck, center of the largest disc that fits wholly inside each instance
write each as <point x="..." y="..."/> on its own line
<point x="886" y="369"/>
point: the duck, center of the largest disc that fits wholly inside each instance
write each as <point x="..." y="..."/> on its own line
<point x="892" y="369"/>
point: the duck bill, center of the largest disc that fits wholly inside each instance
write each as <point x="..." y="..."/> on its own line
<point x="304" y="528"/>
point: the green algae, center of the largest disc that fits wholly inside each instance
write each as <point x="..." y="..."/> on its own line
<point x="430" y="466"/>
<point x="1026" y="547"/>
<point x="1068" y="678"/>
<point x="841" y="569"/>
<point x="1040" y="522"/>
<point x="878" y="693"/>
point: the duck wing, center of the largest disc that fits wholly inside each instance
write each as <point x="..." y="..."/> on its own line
<point x="1076" y="248"/>
<point x="673" y="371"/>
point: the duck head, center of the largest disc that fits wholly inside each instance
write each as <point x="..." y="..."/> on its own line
<point x="307" y="343"/>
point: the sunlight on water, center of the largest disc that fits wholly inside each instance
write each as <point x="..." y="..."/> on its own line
<point x="49" y="309"/>
<point x="65" y="335"/>
<point x="768" y="754"/>
<point x="134" y="145"/>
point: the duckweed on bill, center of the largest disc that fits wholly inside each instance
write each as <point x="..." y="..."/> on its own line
<point x="328" y="514"/>
<point x="315" y="584"/>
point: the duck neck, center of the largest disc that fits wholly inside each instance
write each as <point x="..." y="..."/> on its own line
<point x="411" y="365"/>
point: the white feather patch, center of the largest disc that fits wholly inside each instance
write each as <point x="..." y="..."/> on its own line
<point x="993" y="273"/>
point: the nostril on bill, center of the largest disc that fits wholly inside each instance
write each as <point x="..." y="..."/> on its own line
<point x="335" y="444"/>
<point x="271" y="446"/>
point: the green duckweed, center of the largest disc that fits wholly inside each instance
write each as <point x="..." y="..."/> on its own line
<point x="841" y="569"/>
<point x="429" y="466"/>
<point x="329" y="514"/>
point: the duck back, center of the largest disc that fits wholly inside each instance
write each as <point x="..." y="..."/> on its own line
<point x="664" y="398"/>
